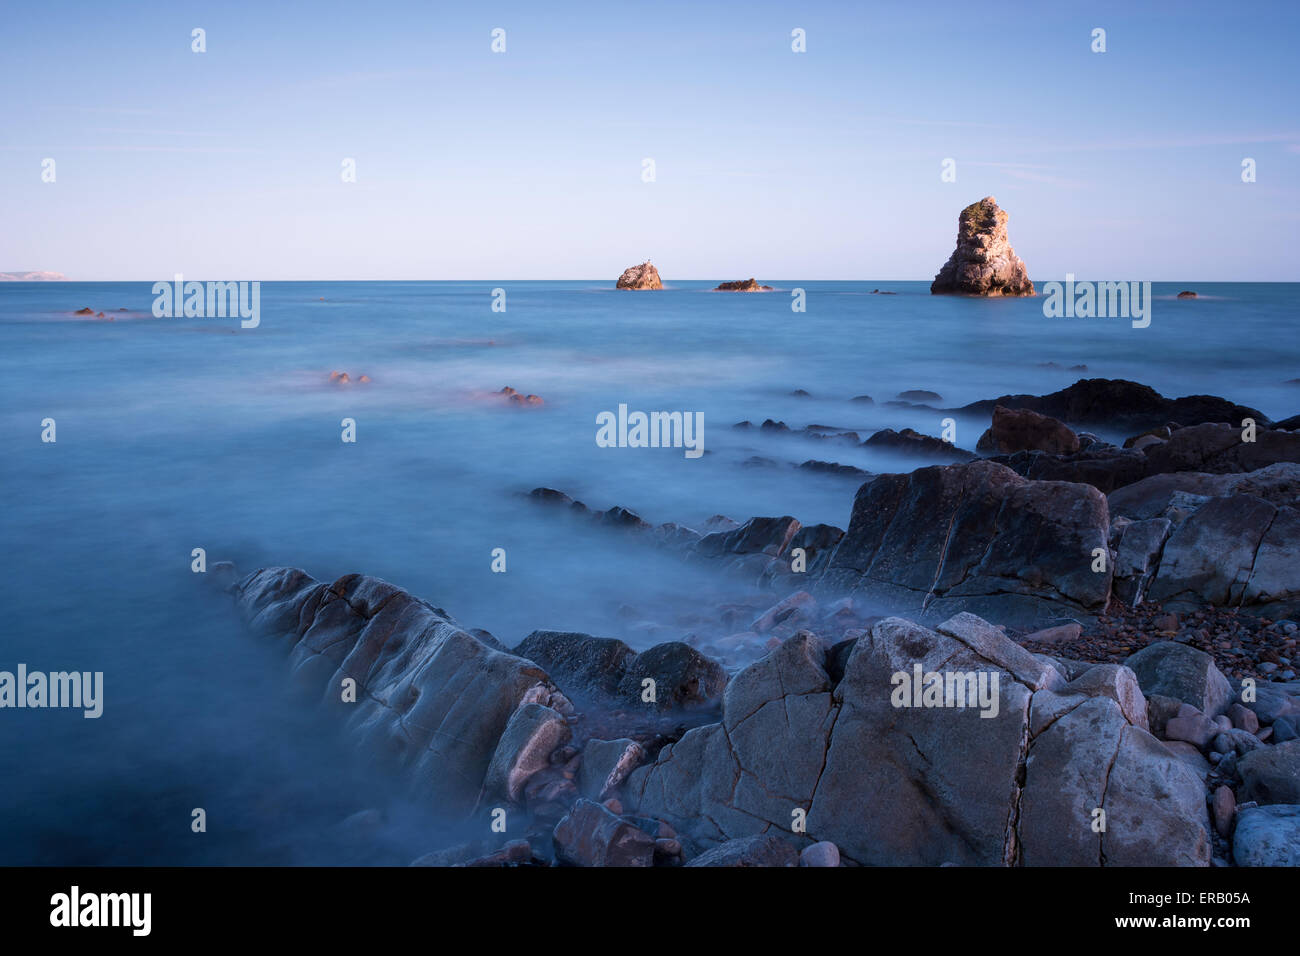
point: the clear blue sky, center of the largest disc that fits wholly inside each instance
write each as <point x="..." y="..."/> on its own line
<point x="474" y="165"/>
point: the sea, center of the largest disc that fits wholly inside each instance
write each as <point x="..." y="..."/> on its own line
<point x="180" y="433"/>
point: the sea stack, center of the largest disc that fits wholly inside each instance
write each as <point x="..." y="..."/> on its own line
<point x="983" y="262"/>
<point x="743" y="285"/>
<point x="644" y="276"/>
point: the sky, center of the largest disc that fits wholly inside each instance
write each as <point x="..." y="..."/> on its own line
<point x="529" y="164"/>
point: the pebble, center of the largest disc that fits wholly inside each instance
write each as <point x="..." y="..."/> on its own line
<point x="824" y="853"/>
<point x="1243" y="718"/>
<point x="1224" y="806"/>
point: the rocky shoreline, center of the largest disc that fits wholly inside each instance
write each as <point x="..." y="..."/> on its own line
<point x="1131" y="621"/>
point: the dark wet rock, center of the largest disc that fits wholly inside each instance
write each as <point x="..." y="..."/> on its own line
<point x="581" y="663"/>
<point x="920" y="395"/>
<point x="1120" y="404"/>
<point x="591" y="835"/>
<point x="1105" y="468"/>
<point x="773" y="426"/>
<point x="1183" y="673"/>
<point x="835" y="468"/>
<point x="867" y="400"/>
<point x="676" y="536"/>
<point x="1187" y="294"/>
<point x="983" y="262"/>
<point x="974" y="537"/>
<point x="1219" y="449"/>
<point x="912" y="442"/>
<point x="620" y="517"/>
<point x="769" y="536"/>
<point x="551" y="496"/>
<point x="432" y="701"/>
<point x="606" y="671"/>
<point x="817" y="542"/>
<point x="1277" y="484"/>
<point x="743" y="285"/>
<point x="758" y="850"/>
<point x="684" y="679"/>
<point x="1024" y="430"/>
<point x="1209" y="449"/>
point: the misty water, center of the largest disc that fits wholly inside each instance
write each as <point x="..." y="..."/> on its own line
<point x="175" y="434"/>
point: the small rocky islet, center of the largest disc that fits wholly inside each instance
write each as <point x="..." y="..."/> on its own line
<point x="1158" y="685"/>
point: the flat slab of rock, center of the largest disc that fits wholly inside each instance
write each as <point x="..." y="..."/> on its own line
<point x="975" y="537"/>
<point x="750" y="851"/>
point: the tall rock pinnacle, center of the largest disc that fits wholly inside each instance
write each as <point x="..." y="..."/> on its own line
<point x="983" y="262"/>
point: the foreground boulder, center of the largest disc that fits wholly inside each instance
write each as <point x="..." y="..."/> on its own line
<point x="592" y="835"/>
<point x="974" y="537"/>
<point x="418" y="693"/>
<point x="983" y="262"/>
<point x="1183" y="673"/>
<point x="1267" y="836"/>
<point x="1024" y="430"/>
<point x="644" y="276"/>
<point x="1010" y="769"/>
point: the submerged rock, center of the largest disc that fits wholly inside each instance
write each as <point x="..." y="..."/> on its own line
<point x="983" y="262"/>
<point x="743" y="285"/>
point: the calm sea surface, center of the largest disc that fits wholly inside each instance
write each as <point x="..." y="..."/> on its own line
<point x="174" y="434"/>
